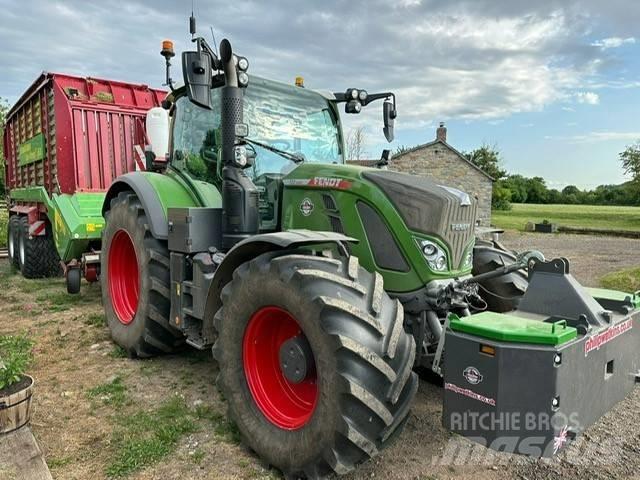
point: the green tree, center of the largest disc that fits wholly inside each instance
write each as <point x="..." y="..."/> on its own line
<point x="501" y="196"/>
<point x="517" y="184"/>
<point x="4" y="109"/>
<point x="630" y="159"/>
<point x="487" y="158"/>
<point x="570" y="190"/>
<point x="537" y="191"/>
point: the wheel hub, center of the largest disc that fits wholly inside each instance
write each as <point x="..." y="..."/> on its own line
<point x="296" y="359"/>
<point x="286" y="396"/>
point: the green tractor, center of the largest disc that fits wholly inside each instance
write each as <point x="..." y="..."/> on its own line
<point x="319" y="286"/>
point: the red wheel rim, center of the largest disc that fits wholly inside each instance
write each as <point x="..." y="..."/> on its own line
<point x="123" y="277"/>
<point x="285" y="404"/>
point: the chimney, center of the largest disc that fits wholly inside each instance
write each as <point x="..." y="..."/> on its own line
<point x="441" y="133"/>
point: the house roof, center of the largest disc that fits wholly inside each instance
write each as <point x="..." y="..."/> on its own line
<point x="445" y="144"/>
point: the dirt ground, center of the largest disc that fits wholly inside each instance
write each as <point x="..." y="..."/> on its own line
<point x="78" y="431"/>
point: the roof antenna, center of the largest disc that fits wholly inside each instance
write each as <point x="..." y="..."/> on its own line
<point x="192" y="22"/>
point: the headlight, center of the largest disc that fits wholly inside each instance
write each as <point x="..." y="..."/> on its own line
<point x="240" y="156"/>
<point x="434" y="255"/>
<point x="429" y="250"/>
<point x="362" y="95"/>
<point x="243" y="64"/>
<point x="243" y="79"/>
<point x="468" y="259"/>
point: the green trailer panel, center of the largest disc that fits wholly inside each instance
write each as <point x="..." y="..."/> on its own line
<point x="76" y="219"/>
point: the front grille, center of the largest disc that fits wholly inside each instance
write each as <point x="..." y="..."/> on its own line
<point x="329" y="202"/>
<point x="336" y="224"/>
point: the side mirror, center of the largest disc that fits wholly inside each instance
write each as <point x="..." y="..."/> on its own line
<point x="197" y="71"/>
<point x="388" y="116"/>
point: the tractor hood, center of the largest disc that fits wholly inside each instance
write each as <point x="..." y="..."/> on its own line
<point x="390" y="213"/>
<point x="431" y="209"/>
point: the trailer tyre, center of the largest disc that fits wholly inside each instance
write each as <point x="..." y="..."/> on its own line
<point x="37" y="255"/>
<point x="13" y="234"/>
<point x="135" y="281"/>
<point x="315" y="364"/>
<point x="73" y="280"/>
<point x="502" y="294"/>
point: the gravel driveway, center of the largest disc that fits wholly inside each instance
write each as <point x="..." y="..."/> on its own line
<point x="590" y="256"/>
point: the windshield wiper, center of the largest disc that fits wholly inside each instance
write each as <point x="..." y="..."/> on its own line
<point x="294" y="157"/>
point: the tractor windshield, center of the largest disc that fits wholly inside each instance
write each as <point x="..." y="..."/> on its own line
<point x="288" y="118"/>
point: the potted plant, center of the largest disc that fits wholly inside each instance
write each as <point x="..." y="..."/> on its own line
<point x="16" y="386"/>
<point x="546" y="227"/>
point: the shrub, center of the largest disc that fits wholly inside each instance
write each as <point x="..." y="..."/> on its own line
<point x="15" y="357"/>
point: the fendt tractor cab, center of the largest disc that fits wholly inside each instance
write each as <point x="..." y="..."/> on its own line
<point x="320" y="286"/>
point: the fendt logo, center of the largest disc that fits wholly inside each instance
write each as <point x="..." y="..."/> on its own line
<point x="460" y="227"/>
<point x="472" y="375"/>
<point x="330" y="182"/>
<point x="306" y="207"/>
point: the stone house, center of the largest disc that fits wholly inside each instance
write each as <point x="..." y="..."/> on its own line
<point x="447" y="166"/>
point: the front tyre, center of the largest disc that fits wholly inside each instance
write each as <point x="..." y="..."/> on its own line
<point x="135" y="281"/>
<point x="314" y="362"/>
<point x="502" y="294"/>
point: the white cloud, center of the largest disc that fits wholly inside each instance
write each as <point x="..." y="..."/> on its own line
<point x="600" y="136"/>
<point x="590" y="98"/>
<point x="613" y="42"/>
<point x="466" y="59"/>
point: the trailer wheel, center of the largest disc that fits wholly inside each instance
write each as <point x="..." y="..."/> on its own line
<point x="314" y="362"/>
<point x="13" y="232"/>
<point x="502" y="294"/>
<point x="73" y="280"/>
<point x="37" y="255"/>
<point x="135" y="281"/>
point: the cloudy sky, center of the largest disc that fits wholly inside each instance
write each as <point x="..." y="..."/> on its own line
<point x="555" y="84"/>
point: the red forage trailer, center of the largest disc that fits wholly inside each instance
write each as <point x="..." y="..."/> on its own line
<point x="65" y="140"/>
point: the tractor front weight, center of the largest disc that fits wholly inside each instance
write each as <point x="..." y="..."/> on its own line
<point x="531" y="380"/>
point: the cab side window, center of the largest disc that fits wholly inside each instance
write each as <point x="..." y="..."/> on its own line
<point x="196" y="137"/>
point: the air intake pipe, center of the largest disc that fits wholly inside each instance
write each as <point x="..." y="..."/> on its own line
<point x="240" y="218"/>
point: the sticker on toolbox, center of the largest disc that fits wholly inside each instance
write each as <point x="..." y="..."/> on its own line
<point x="469" y="393"/>
<point x="596" y="341"/>
<point x="472" y="375"/>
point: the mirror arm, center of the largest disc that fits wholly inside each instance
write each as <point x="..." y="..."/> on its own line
<point x="204" y="46"/>
<point x="341" y="97"/>
<point x="372" y="97"/>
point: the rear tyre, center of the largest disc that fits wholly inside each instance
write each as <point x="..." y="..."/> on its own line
<point x="359" y="383"/>
<point x="502" y="294"/>
<point x="13" y="232"/>
<point x="37" y="255"/>
<point x="135" y="281"/>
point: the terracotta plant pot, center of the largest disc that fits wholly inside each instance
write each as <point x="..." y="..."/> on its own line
<point x="15" y="405"/>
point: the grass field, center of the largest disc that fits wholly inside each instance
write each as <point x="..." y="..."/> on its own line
<point x="627" y="280"/>
<point x="589" y="216"/>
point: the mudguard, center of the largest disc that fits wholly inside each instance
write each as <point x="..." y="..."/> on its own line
<point x="251" y="248"/>
<point x="159" y="192"/>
